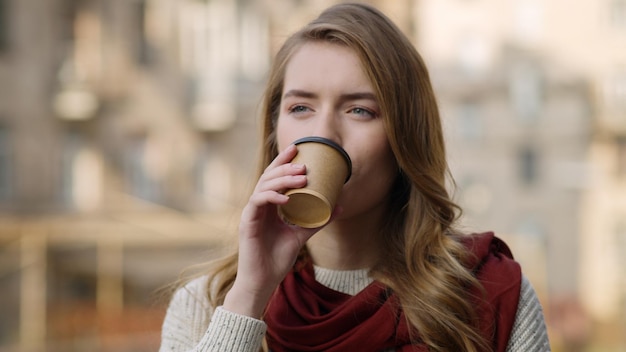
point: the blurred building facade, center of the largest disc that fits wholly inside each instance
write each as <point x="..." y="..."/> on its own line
<point x="128" y="134"/>
<point x="533" y="96"/>
<point x="121" y="159"/>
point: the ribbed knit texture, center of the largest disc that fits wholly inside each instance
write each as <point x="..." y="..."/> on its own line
<point x="349" y="282"/>
<point x="228" y="329"/>
<point x="191" y="324"/>
<point x="529" y="331"/>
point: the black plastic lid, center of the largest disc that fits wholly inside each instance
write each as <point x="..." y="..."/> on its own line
<point x="332" y="144"/>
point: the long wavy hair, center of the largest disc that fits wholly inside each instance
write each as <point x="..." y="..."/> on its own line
<point x="423" y="254"/>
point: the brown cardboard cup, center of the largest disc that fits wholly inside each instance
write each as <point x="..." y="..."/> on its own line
<point x="328" y="168"/>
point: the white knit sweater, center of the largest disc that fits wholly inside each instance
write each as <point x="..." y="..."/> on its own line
<point x="191" y="324"/>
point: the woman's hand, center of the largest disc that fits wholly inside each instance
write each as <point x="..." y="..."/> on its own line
<point x="268" y="247"/>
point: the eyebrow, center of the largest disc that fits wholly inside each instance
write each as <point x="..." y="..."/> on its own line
<point x="344" y="97"/>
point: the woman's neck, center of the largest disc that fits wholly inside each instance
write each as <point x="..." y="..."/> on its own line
<point x="348" y="244"/>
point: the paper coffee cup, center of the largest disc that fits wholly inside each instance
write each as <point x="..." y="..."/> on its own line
<point x="328" y="168"/>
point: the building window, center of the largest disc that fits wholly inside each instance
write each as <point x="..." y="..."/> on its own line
<point x="142" y="169"/>
<point x="4" y="25"/>
<point x="213" y="179"/>
<point x="470" y="123"/>
<point x="528" y="165"/>
<point x="526" y="91"/>
<point x="209" y="49"/>
<point x="143" y="50"/>
<point x="5" y="164"/>
<point x="476" y="196"/>
<point x="619" y="247"/>
<point x="620" y="165"/>
<point x="615" y="96"/>
<point x="475" y="54"/>
<point x="254" y="44"/>
<point x="530" y="227"/>
<point x="81" y="174"/>
<point x="528" y="21"/>
<point x="618" y="13"/>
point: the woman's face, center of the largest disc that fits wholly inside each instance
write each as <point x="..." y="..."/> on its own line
<point x="326" y="93"/>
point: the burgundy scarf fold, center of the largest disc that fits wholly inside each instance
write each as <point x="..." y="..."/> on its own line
<point x="304" y="315"/>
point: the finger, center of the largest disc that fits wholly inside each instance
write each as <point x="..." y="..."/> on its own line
<point x="258" y="203"/>
<point x="283" y="157"/>
<point x="282" y="183"/>
<point x="288" y="169"/>
<point x="260" y="199"/>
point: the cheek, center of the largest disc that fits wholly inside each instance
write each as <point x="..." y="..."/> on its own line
<point x="380" y="152"/>
<point x="377" y="164"/>
<point x="387" y="169"/>
<point x="282" y="136"/>
<point x="286" y="133"/>
<point x="374" y="175"/>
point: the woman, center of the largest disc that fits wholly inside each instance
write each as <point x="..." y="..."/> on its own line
<point x="388" y="272"/>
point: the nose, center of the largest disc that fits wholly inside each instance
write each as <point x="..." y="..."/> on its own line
<point x="328" y="125"/>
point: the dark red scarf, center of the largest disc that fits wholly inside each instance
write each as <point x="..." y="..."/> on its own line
<point x="304" y="315"/>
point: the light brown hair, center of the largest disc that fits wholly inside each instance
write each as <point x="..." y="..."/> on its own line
<point x="423" y="257"/>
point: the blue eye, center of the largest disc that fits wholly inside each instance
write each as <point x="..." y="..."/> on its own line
<point x="363" y="112"/>
<point x="298" y="109"/>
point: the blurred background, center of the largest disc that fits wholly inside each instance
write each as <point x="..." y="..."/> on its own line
<point x="128" y="140"/>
